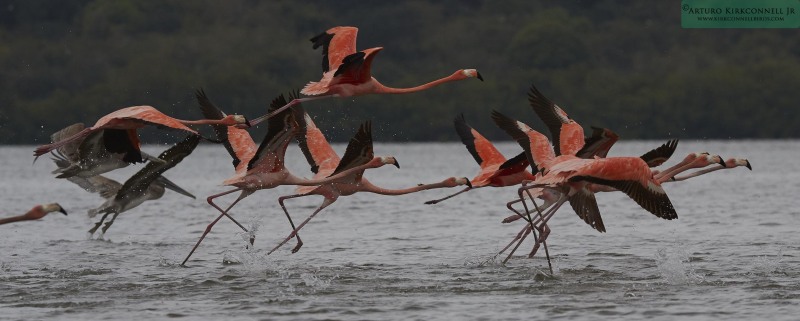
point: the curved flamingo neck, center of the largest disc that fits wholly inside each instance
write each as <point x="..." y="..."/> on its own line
<point x="381" y="89"/>
<point x="369" y="187"/>
<point x="14" y="219"/>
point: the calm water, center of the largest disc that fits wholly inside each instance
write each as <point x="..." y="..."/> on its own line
<point x="732" y="254"/>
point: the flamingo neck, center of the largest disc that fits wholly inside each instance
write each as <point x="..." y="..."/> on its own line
<point x="14" y="219"/>
<point x="203" y="122"/>
<point x="369" y="187"/>
<point x="381" y="89"/>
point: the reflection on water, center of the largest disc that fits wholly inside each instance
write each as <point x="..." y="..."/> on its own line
<point x="732" y="252"/>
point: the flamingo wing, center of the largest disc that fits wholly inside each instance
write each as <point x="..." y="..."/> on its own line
<point x="598" y="144"/>
<point x="237" y="141"/>
<point x="518" y="161"/>
<point x="336" y="43"/>
<point x="585" y="205"/>
<point x="359" y="149"/>
<point x="318" y="152"/>
<point x="355" y="68"/>
<point x="658" y="156"/>
<point x="279" y="128"/>
<point x="552" y="115"/>
<point x="631" y="176"/>
<point x="146" y="115"/>
<point x="483" y="151"/>
<point x="139" y="182"/>
<point x="121" y="141"/>
<point x="537" y="147"/>
<point x="571" y="138"/>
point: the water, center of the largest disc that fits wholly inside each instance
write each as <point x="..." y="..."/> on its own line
<point x="732" y="254"/>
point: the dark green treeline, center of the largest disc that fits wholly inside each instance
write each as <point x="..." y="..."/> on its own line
<point x="625" y="65"/>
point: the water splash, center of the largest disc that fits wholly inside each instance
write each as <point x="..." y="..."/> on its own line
<point x="675" y="266"/>
<point x="767" y="264"/>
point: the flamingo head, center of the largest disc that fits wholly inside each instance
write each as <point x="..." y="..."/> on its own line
<point x="54" y="207"/>
<point x="236" y="120"/>
<point x="716" y="159"/>
<point x="462" y="181"/>
<point x="471" y="73"/>
<point x="388" y="160"/>
<point x="744" y="162"/>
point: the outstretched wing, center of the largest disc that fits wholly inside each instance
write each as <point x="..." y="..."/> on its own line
<point x="139" y="182"/>
<point x="481" y="149"/>
<point x="359" y="149"/>
<point x="658" y="156"/>
<point x="598" y="144"/>
<point x="336" y="43"/>
<point x="552" y="115"/>
<point x="318" y="152"/>
<point x="537" y="147"/>
<point x="237" y="141"/>
<point x="279" y="128"/>
<point x="70" y="150"/>
<point x="585" y="205"/>
<point x="356" y="68"/>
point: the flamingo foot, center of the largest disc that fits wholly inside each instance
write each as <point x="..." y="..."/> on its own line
<point x="297" y="247"/>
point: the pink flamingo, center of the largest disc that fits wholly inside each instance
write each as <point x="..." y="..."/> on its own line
<point x="346" y="73"/>
<point x="35" y="213"/>
<point x="496" y="171"/>
<point x="266" y="168"/>
<point x="133" y="118"/>
<point x="324" y="162"/>
<point x="730" y="163"/>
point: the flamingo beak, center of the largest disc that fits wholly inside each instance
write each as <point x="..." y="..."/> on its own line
<point x="721" y="162"/>
<point x="468" y="183"/>
<point x="479" y="76"/>
<point x="396" y="163"/>
<point x="61" y="209"/>
<point x="247" y="123"/>
<point x="748" y="165"/>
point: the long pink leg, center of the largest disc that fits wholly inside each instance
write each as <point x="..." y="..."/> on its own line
<point x="225" y="212"/>
<point x="210" y="200"/>
<point x="325" y="203"/>
<point x="290" y="104"/>
<point x="525" y="232"/>
<point x="280" y="201"/>
<point x="448" y="197"/>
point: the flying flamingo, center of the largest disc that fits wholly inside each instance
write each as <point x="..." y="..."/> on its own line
<point x="131" y="119"/>
<point x="630" y="175"/>
<point x="99" y="152"/>
<point x="496" y="171"/>
<point x="35" y="213"/>
<point x="346" y="73"/>
<point x="147" y="184"/>
<point x="325" y="162"/>
<point x="730" y="163"/>
<point x="266" y="168"/>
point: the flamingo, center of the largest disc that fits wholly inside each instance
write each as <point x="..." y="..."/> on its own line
<point x="730" y="163"/>
<point x="35" y="213"/>
<point x="133" y="118"/>
<point x="266" y="168"/>
<point x="325" y="162"/>
<point x="496" y="171"/>
<point x="99" y="152"/>
<point x="147" y="184"/>
<point x="630" y="175"/>
<point x="346" y="73"/>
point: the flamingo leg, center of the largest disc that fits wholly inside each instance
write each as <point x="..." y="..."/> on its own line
<point x="210" y="199"/>
<point x="325" y="203"/>
<point x="431" y="202"/>
<point x="525" y="232"/>
<point x="290" y="104"/>
<point x="225" y="212"/>
<point x="280" y="201"/>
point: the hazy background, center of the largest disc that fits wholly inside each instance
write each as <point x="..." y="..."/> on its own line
<point x="625" y="65"/>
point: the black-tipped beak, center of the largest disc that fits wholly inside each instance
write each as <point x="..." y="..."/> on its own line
<point x="721" y="162"/>
<point x="62" y="210"/>
<point x="479" y="76"/>
<point x="396" y="164"/>
<point x="468" y="183"/>
<point x="247" y="122"/>
<point x="748" y="165"/>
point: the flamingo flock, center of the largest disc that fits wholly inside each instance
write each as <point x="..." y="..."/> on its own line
<point x="566" y="167"/>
